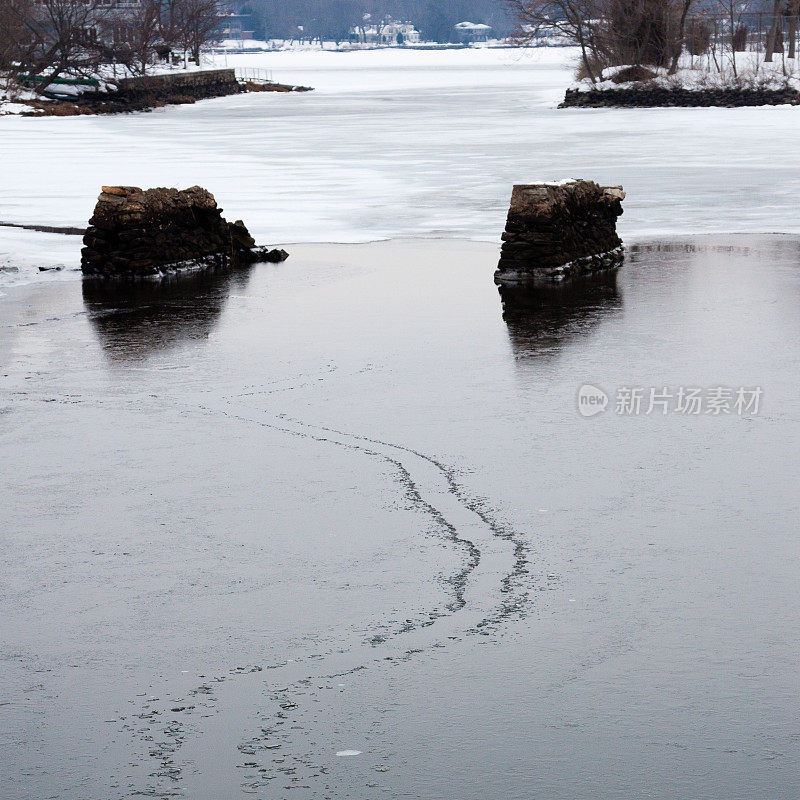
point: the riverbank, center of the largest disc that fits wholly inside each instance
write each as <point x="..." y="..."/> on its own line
<point x="146" y="93"/>
<point x="745" y="82"/>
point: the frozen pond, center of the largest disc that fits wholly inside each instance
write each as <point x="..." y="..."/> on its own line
<point x="334" y="528"/>
<point x="402" y="144"/>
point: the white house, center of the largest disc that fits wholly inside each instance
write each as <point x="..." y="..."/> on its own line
<point x="388" y="34"/>
<point x="472" y="32"/>
<point x="399" y="33"/>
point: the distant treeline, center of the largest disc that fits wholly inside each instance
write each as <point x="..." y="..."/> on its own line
<point x="334" y="19"/>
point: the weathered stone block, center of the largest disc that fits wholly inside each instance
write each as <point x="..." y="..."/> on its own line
<point x="136" y="233"/>
<point x="556" y="231"/>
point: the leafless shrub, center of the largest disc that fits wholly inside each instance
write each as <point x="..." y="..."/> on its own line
<point x="739" y="39"/>
<point x="591" y="66"/>
<point x="698" y="37"/>
<point x="639" y="32"/>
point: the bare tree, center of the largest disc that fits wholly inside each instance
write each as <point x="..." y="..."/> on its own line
<point x="571" y="18"/>
<point x="794" y="13"/>
<point x="137" y="34"/>
<point x="685" y="8"/>
<point x="60" y="36"/>
<point x="772" y="35"/>
<point x="196" y="24"/>
<point x="334" y="19"/>
<point x="19" y="42"/>
<point x="732" y="11"/>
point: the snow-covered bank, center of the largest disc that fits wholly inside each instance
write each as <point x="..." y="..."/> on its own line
<point x="403" y="143"/>
<point x="698" y="74"/>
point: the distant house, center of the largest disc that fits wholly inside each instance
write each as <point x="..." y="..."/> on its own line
<point x="399" y="33"/>
<point x="468" y="32"/>
<point x="387" y="34"/>
<point x="236" y="26"/>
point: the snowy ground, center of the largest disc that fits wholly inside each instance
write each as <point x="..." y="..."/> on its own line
<point x="400" y="143"/>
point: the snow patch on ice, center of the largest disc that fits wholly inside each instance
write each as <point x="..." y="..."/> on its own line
<point x="22" y="252"/>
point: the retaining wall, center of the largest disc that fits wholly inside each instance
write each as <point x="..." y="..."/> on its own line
<point x="197" y="85"/>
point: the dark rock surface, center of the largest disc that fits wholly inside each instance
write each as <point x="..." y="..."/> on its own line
<point x="262" y="86"/>
<point x="140" y="234"/>
<point x="560" y="231"/>
<point x="659" y="97"/>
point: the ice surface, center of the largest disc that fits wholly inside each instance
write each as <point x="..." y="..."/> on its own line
<point x="403" y="143"/>
<point x="160" y="513"/>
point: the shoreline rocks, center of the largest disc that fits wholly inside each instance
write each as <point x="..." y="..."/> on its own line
<point x="258" y="86"/>
<point x="156" y="232"/>
<point x="661" y="97"/>
<point x="559" y="231"/>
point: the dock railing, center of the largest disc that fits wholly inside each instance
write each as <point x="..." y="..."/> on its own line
<point x="254" y="75"/>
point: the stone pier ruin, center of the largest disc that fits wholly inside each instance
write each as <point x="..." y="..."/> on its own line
<point x="157" y="232"/>
<point x="559" y="231"/>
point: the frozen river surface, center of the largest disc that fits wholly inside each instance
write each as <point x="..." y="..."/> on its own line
<point x="335" y="529"/>
<point x="402" y="144"/>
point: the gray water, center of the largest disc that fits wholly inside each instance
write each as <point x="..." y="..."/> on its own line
<point x="346" y="504"/>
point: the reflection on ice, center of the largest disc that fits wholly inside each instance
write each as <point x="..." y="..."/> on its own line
<point x="541" y="321"/>
<point x="135" y="319"/>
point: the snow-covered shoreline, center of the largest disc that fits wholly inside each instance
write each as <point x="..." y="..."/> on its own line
<point x="692" y="76"/>
<point x="397" y="144"/>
